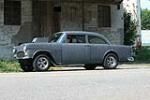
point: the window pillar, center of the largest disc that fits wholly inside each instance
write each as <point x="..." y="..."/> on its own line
<point x="26" y="11"/>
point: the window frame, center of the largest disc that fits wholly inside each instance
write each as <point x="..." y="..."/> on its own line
<point x="103" y="15"/>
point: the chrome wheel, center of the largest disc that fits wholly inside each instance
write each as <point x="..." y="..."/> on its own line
<point x="110" y="61"/>
<point x="41" y="63"/>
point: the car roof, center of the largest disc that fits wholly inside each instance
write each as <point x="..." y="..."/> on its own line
<point x="80" y="32"/>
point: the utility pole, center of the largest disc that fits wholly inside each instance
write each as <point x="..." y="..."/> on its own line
<point x="138" y="28"/>
<point x="138" y="8"/>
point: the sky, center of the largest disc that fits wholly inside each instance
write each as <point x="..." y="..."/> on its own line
<point x="145" y="4"/>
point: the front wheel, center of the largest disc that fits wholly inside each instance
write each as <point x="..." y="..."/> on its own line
<point x="110" y="61"/>
<point x="41" y="63"/>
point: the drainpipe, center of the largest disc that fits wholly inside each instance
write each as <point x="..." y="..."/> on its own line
<point x="118" y="4"/>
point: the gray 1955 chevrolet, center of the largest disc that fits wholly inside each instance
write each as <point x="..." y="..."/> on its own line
<point x="71" y="47"/>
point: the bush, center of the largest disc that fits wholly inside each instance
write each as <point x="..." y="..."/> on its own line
<point x="129" y="29"/>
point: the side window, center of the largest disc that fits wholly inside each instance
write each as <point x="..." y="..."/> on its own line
<point x="96" y="40"/>
<point x="76" y="39"/>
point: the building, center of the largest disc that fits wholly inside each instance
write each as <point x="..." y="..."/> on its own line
<point x="22" y="20"/>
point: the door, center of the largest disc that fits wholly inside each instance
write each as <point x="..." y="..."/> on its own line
<point x="98" y="48"/>
<point x="75" y="51"/>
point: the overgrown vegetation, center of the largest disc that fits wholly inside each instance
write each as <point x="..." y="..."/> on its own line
<point x="9" y="66"/>
<point x="129" y="29"/>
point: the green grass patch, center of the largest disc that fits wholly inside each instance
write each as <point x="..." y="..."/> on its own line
<point x="9" y="66"/>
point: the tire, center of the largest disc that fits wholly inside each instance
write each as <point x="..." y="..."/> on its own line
<point x="26" y="65"/>
<point x="41" y="63"/>
<point x="90" y="67"/>
<point x="110" y="61"/>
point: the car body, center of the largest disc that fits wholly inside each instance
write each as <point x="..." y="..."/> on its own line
<point x="72" y="47"/>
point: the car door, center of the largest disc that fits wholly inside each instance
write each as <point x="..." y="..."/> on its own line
<point x="75" y="50"/>
<point x="98" y="48"/>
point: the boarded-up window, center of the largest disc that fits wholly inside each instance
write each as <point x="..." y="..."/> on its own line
<point x="12" y="12"/>
<point x="104" y="16"/>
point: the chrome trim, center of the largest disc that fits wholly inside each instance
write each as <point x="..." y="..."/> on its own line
<point x="130" y="59"/>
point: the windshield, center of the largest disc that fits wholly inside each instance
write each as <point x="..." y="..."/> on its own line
<point x="55" y="37"/>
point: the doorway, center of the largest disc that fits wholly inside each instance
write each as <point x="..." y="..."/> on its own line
<point x="46" y="18"/>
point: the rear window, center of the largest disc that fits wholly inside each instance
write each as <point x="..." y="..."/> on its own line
<point x="96" y="40"/>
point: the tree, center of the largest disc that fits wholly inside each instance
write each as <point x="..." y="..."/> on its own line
<point x="145" y="19"/>
<point x="129" y="29"/>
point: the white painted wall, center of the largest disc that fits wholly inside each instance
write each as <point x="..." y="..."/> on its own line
<point x="145" y="36"/>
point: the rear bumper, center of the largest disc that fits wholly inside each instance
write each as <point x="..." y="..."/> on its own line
<point x="130" y="59"/>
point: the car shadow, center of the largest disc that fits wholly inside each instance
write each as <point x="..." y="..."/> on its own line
<point x="66" y="69"/>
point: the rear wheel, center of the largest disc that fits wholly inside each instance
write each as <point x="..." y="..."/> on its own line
<point x="26" y="65"/>
<point x="90" y="67"/>
<point x="110" y="61"/>
<point x="41" y="62"/>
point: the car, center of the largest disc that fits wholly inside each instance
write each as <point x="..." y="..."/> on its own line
<point x="72" y="47"/>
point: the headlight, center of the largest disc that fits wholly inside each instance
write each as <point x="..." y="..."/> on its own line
<point x="14" y="50"/>
<point x="20" y="54"/>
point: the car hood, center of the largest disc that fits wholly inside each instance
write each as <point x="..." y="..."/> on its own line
<point x="40" y="39"/>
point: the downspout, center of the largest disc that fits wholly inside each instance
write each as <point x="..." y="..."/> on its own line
<point x="118" y="4"/>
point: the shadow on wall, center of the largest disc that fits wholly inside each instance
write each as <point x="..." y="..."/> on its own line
<point x="24" y="35"/>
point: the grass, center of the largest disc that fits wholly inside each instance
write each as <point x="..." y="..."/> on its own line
<point x="9" y="66"/>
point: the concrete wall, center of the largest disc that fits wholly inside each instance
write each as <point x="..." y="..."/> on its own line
<point x="115" y="33"/>
<point x="14" y="34"/>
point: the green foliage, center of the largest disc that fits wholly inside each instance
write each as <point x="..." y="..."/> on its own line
<point x="129" y="29"/>
<point x="145" y="19"/>
<point x="9" y="66"/>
